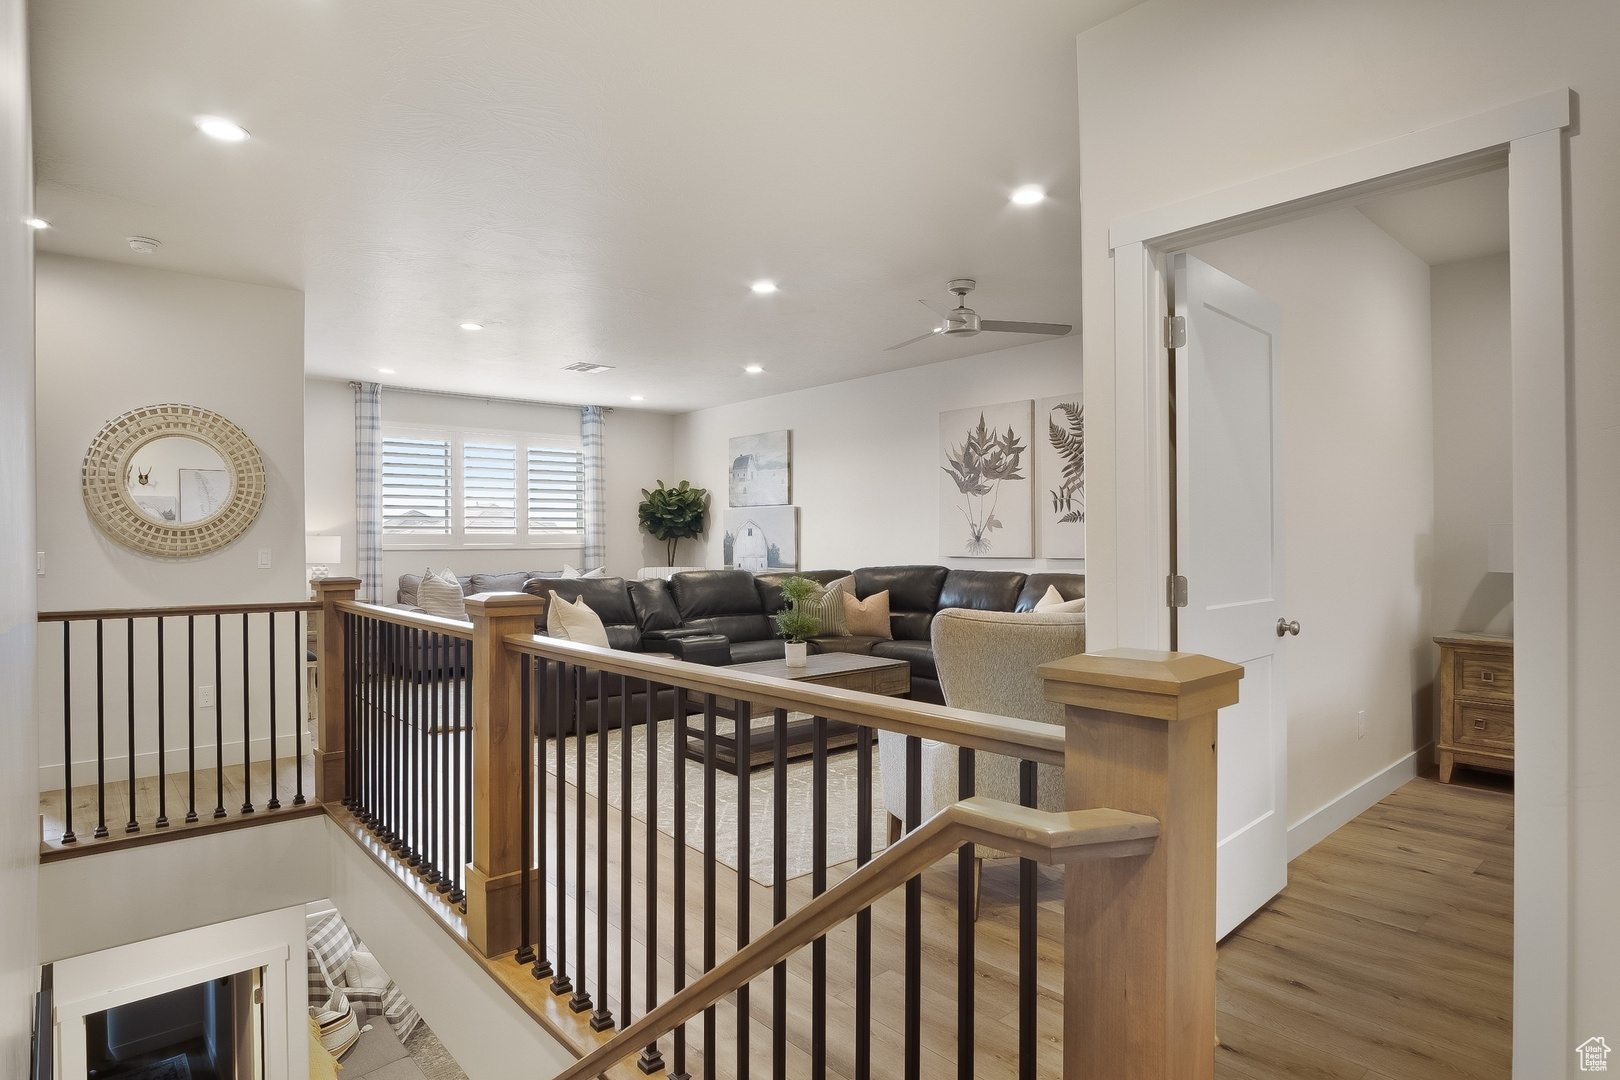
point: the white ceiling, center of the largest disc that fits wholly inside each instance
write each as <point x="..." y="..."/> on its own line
<point x="1448" y="222"/>
<point x="592" y="180"/>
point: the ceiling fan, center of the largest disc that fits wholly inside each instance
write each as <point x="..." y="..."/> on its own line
<point x="963" y="321"/>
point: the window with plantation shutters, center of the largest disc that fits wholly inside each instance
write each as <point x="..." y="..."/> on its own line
<point x="447" y="489"/>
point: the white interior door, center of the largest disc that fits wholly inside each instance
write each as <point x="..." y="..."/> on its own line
<point x="1229" y="547"/>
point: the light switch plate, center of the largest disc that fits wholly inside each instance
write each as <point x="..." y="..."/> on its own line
<point x="39" y="563"/>
<point x="264" y="558"/>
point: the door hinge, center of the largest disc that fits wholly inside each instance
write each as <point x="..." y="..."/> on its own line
<point x="1175" y="591"/>
<point x="1175" y="331"/>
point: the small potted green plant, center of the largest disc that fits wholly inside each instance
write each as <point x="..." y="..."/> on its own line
<point x="796" y="624"/>
<point x="673" y="514"/>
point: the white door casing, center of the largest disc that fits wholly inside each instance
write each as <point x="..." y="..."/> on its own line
<point x="1229" y="547"/>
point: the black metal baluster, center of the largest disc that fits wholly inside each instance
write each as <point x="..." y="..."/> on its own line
<point x="431" y="795"/>
<point x="67" y="732"/>
<point x="651" y="1059"/>
<point x="191" y="719"/>
<point x="779" y="891"/>
<point x="545" y="720"/>
<point x="565" y="712"/>
<point x="300" y="623"/>
<point x="410" y="726"/>
<point x="739" y="738"/>
<point x="913" y="932"/>
<point x="525" y="951"/>
<point x="274" y="802"/>
<point x="398" y="764"/>
<point x="967" y="910"/>
<point x="602" y="1018"/>
<point x="678" y="908"/>
<point x="863" y="919"/>
<point x="626" y="858"/>
<point x="367" y="678"/>
<point x="247" y="715"/>
<point x="1027" y="1017"/>
<point x="743" y="737"/>
<point x="163" y="750"/>
<point x="351" y="710"/>
<point x="581" y="1001"/>
<point x="818" y="885"/>
<point x="130" y="826"/>
<point x="466" y="775"/>
<point x="219" y="721"/>
<point x="462" y="727"/>
<point x="101" y="736"/>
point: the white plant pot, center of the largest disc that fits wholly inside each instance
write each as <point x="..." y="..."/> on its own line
<point x="798" y="653"/>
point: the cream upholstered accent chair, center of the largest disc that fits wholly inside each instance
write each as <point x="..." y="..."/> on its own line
<point x="987" y="662"/>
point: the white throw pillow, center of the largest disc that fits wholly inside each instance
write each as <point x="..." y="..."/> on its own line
<point x="1054" y="604"/>
<point x="362" y="970"/>
<point x="575" y="621"/>
<point x="440" y="594"/>
<point x="575" y="572"/>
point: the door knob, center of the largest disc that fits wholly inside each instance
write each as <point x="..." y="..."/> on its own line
<point x="1285" y="627"/>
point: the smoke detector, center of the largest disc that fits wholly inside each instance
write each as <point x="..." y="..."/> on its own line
<point x="143" y="245"/>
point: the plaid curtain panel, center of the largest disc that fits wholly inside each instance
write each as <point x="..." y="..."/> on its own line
<point x="368" y="489"/>
<point x="591" y="430"/>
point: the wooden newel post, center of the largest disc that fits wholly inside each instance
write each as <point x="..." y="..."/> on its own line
<point x="331" y="662"/>
<point x="495" y="872"/>
<point x="1139" y="949"/>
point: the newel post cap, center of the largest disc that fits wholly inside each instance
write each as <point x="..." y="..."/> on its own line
<point x="340" y="585"/>
<point x="503" y="605"/>
<point x="1143" y="682"/>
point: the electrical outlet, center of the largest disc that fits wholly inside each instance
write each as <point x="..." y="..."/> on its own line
<point x="205" y="697"/>
<point x="264" y="558"/>
<point x="1361" y="724"/>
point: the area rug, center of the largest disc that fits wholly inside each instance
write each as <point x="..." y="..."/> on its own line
<point x="175" y="1068"/>
<point x="431" y="1056"/>
<point x="842" y="791"/>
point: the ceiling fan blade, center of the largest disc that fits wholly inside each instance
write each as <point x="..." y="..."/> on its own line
<point x="1055" y="329"/>
<point x="913" y="341"/>
<point x="942" y="310"/>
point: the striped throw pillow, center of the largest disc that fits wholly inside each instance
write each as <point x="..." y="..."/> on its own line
<point x="829" y="608"/>
<point x="440" y="594"/>
<point x="340" y="1028"/>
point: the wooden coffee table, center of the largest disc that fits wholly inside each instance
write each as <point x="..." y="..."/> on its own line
<point x="848" y="671"/>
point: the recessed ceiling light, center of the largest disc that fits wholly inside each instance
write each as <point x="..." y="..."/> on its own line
<point x="38" y="223"/>
<point x="753" y="369"/>
<point x="589" y="368"/>
<point x="637" y="397"/>
<point x="472" y="326"/>
<point x="385" y="371"/>
<point x="1029" y="195"/>
<point x="763" y="287"/>
<point x="217" y="127"/>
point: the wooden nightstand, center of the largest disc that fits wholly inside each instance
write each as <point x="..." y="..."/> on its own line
<point x="1476" y="702"/>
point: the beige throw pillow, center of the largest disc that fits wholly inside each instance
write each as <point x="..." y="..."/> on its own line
<point x="869" y="617"/>
<point x="573" y="620"/>
<point x="1053" y="603"/>
<point x="440" y="594"/>
<point x="829" y="607"/>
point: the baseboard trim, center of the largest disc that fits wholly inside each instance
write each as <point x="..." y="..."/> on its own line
<point x="1320" y="824"/>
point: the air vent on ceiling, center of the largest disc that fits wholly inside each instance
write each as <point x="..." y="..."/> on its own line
<point x="589" y="369"/>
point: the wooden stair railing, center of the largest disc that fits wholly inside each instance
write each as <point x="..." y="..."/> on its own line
<point x="1061" y="838"/>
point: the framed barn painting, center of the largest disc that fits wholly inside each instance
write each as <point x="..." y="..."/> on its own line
<point x="759" y="470"/>
<point x="762" y="539"/>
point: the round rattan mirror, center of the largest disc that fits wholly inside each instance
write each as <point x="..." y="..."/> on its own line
<point x="175" y="481"/>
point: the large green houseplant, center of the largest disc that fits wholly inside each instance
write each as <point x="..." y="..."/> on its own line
<point x="673" y="514"/>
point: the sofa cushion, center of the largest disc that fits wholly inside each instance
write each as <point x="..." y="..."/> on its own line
<point x="655" y="607"/>
<point x="608" y="597"/>
<point x="910" y="588"/>
<point x="734" y="627"/>
<point x="746" y="652"/>
<point x="981" y="590"/>
<point x="919" y="654"/>
<point x="701" y="594"/>
<point x="770" y="585"/>
<point x="482" y="583"/>
<point x="1070" y="586"/>
<point x="911" y="625"/>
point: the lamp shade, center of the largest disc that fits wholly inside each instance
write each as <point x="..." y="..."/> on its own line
<point x="323" y="550"/>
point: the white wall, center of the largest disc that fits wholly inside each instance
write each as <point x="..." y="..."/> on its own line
<point x="1358" y="510"/>
<point x="865" y="468"/>
<point x="112" y="338"/>
<point x="1473" y="442"/>
<point x="1261" y="86"/>
<point x="19" y="838"/>
<point x="637" y="453"/>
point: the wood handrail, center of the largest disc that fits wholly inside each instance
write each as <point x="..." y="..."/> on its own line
<point x="1029" y="740"/>
<point x="171" y="612"/>
<point x="1073" y="836"/>
<point x="421" y="620"/>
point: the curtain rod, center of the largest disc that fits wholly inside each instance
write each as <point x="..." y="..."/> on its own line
<point x="488" y="399"/>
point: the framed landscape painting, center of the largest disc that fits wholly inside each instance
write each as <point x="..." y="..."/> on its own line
<point x="762" y="539"/>
<point x="985" y="492"/>
<point x="1060" y="470"/>
<point x="759" y="470"/>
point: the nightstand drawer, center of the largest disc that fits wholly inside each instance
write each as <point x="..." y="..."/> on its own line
<point x="1485" y="676"/>
<point x="1489" y="727"/>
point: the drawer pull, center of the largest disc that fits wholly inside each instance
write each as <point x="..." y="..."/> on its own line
<point x="1487" y="676"/>
<point x="1479" y="723"/>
